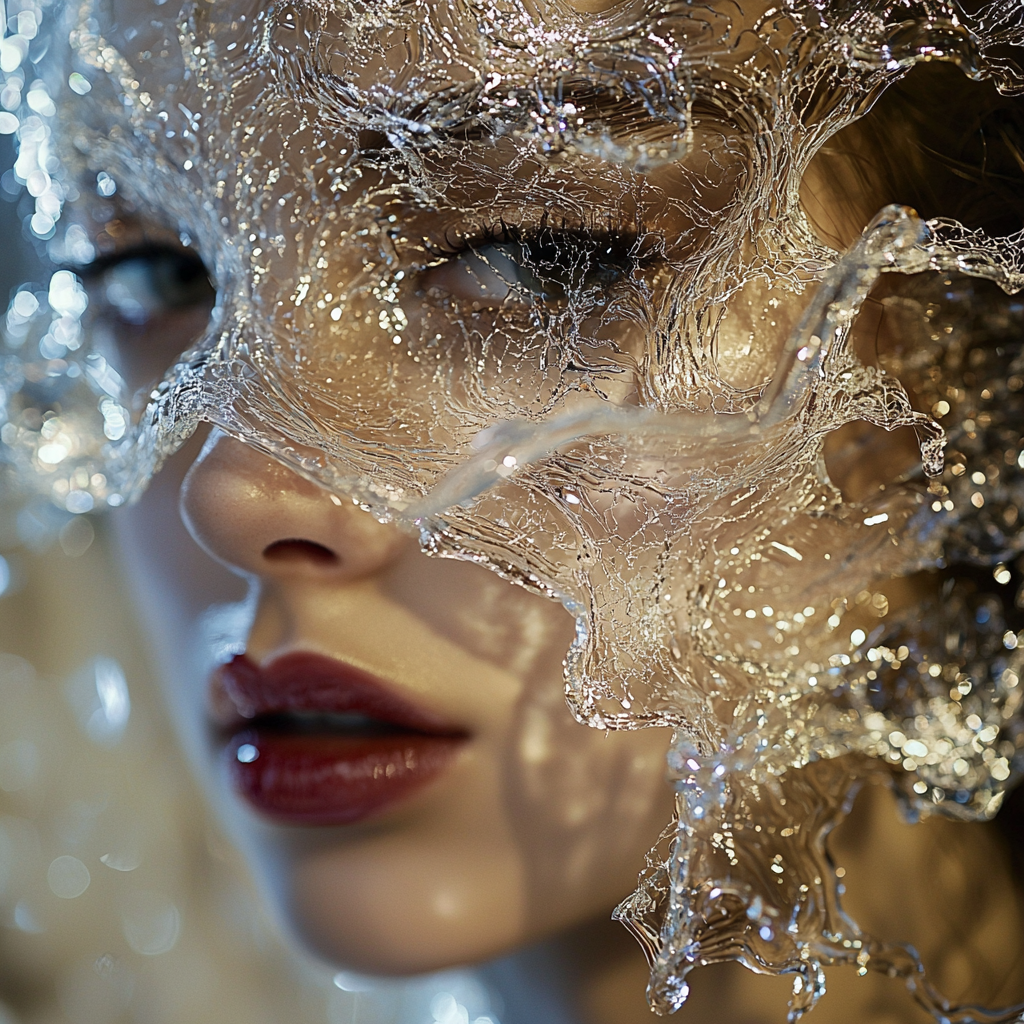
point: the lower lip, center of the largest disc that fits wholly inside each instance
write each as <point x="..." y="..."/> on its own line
<point x="330" y="779"/>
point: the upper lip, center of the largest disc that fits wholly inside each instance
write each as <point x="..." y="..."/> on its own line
<point x="301" y="681"/>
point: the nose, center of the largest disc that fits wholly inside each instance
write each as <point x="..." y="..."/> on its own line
<point x="257" y="516"/>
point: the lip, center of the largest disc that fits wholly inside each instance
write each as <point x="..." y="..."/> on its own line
<point x="313" y="741"/>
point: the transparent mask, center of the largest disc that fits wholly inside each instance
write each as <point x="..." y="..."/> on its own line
<point x="539" y="286"/>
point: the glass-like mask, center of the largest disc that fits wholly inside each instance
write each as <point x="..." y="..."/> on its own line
<point x="541" y="287"/>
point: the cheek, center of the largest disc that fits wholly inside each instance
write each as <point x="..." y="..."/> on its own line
<point x="753" y="332"/>
<point x="543" y="824"/>
<point x="486" y="617"/>
<point x="582" y="807"/>
<point x="160" y="557"/>
<point x="585" y="806"/>
<point x="520" y="842"/>
<point x="445" y="886"/>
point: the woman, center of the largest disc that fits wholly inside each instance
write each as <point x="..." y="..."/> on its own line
<point x="531" y="291"/>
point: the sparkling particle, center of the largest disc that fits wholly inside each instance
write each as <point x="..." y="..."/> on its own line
<point x="151" y="923"/>
<point x="127" y="858"/>
<point x="26" y="920"/>
<point x="79" y="83"/>
<point x="407" y="399"/>
<point x="786" y="549"/>
<point x="76" y="537"/>
<point x="78" y="502"/>
<point x="348" y="981"/>
<point x="105" y="185"/>
<point x="68" y="877"/>
<point x="98" y="693"/>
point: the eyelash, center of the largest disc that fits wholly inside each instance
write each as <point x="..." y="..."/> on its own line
<point x="502" y="232"/>
<point x="606" y="253"/>
<point x="101" y="264"/>
<point x="620" y="249"/>
<point x="177" y="278"/>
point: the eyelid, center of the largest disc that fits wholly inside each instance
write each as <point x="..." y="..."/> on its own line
<point x="601" y="249"/>
<point x="140" y="251"/>
<point x="593" y="238"/>
<point x="143" y="282"/>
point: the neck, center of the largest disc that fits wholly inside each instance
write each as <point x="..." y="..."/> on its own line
<point x="594" y="973"/>
<point x="969" y="929"/>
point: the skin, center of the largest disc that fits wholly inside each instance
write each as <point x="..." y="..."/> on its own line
<point x="509" y="851"/>
<point x="539" y="828"/>
<point x="539" y="825"/>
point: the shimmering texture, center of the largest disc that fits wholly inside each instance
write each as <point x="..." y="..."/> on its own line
<point x="526" y="286"/>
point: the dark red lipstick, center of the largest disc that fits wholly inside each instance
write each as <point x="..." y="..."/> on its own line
<point x="314" y="741"/>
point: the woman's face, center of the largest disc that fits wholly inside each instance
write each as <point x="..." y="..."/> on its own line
<point x="531" y="822"/>
<point x="394" y="753"/>
<point x="532" y="319"/>
<point x="390" y="742"/>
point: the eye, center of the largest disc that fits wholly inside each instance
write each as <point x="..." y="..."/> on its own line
<point x="147" y="305"/>
<point x="545" y="266"/>
<point x="141" y="285"/>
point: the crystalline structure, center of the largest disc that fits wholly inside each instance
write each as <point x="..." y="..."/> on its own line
<point x="541" y="287"/>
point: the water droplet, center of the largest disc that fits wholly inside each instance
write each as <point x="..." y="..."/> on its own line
<point x="247" y="753"/>
<point x="68" y="877"/>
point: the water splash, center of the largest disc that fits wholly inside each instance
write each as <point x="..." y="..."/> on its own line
<point x="543" y="290"/>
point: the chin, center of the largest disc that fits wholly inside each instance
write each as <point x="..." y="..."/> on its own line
<point x="435" y="883"/>
<point x="392" y="910"/>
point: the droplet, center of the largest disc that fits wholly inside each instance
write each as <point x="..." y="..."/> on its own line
<point x="26" y="919"/>
<point x="77" y="535"/>
<point x="247" y="753"/>
<point x="98" y="694"/>
<point x="68" y="877"/>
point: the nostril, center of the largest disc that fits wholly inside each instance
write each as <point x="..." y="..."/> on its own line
<point x="295" y="550"/>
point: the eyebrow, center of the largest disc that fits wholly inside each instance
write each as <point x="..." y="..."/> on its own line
<point x="615" y="110"/>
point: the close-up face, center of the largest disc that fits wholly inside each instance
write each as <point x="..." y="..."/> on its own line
<point x="543" y="438"/>
<point x="474" y="814"/>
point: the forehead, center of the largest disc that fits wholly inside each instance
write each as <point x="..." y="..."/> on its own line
<point x="233" y="87"/>
<point x="429" y="67"/>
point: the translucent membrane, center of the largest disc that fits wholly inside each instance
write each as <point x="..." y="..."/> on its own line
<point x="538" y="285"/>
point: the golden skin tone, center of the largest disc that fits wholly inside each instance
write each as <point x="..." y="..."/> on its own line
<point x="539" y="828"/>
<point x="537" y="817"/>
